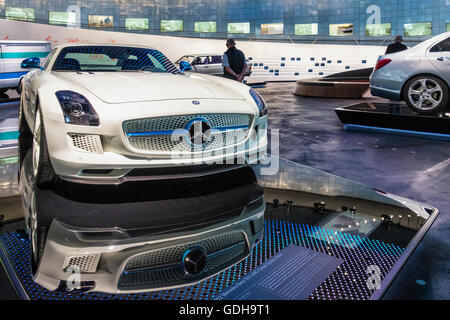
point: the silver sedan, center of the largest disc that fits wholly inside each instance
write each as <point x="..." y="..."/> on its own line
<point x="420" y="76"/>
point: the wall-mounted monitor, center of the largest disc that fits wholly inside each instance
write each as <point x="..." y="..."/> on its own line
<point x="100" y="21"/>
<point x="306" y="29"/>
<point x="448" y="26"/>
<point x="205" y="26"/>
<point x="378" y="29"/>
<point x="341" y="29"/>
<point x="239" y="27"/>
<point x="171" y="25"/>
<point x="68" y="18"/>
<point x="272" y="28"/>
<point x="417" y="29"/>
<point x="136" y="23"/>
<point x="16" y="13"/>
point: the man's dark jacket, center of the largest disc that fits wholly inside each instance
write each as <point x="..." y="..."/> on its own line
<point x="236" y="60"/>
<point x="395" y="47"/>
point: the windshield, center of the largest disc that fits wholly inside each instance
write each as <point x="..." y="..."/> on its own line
<point x="111" y="58"/>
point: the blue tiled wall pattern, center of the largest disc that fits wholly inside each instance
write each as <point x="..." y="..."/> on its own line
<point x="256" y="12"/>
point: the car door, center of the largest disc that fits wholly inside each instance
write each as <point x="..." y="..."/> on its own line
<point x="439" y="56"/>
<point x="198" y="64"/>
<point x="216" y="65"/>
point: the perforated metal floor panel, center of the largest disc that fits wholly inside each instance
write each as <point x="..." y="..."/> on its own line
<point x="348" y="281"/>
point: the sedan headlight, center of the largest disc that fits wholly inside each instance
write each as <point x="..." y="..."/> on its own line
<point x="262" y="106"/>
<point x="77" y="109"/>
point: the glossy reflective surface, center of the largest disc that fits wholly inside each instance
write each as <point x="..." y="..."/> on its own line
<point x="366" y="228"/>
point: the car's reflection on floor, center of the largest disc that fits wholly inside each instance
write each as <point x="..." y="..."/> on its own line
<point x="306" y="207"/>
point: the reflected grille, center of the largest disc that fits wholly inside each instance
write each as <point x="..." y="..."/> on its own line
<point x="164" y="267"/>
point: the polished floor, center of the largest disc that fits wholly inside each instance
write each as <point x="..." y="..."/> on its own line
<point x="417" y="168"/>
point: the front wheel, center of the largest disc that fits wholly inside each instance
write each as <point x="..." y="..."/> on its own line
<point x="426" y="95"/>
<point x="42" y="168"/>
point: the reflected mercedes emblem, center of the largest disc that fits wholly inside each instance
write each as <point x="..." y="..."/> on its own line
<point x="194" y="261"/>
<point x="199" y="132"/>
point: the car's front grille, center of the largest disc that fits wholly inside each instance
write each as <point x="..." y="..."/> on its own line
<point x="171" y="134"/>
<point x="164" y="267"/>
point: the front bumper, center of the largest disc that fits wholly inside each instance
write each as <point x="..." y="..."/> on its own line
<point x="112" y="162"/>
<point x="119" y="264"/>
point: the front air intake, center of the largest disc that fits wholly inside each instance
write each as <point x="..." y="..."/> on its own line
<point x="86" y="263"/>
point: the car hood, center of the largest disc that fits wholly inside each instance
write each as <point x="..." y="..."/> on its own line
<point x="123" y="87"/>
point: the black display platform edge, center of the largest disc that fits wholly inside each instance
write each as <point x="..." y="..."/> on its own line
<point x="412" y="124"/>
<point x="407" y="253"/>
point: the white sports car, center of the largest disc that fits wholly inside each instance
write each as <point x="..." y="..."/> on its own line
<point x="113" y="113"/>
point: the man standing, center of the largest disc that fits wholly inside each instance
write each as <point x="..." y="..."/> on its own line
<point x="234" y="62"/>
<point x="396" y="46"/>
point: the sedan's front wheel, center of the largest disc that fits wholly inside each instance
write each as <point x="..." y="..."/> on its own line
<point x="42" y="168"/>
<point x="426" y="95"/>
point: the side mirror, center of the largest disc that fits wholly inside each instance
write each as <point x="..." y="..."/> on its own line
<point x="185" y="66"/>
<point x="30" y="63"/>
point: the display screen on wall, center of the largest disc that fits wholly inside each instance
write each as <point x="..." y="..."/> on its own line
<point x="379" y="29"/>
<point x="100" y="21"/>
<point x="272" y="28"/>
<point x="171" y="25"/>
<point x="15" y="13"/>
<point x="417" y="29"/>
<point x="136" y="23"/>
<point x="306" y="29"/>
<point x="69" y="18"/>
<point x="342" y="29"/>
<point x="239" y="27"/>
<point x="448" y="26"/>
<point x="205" y="26"/>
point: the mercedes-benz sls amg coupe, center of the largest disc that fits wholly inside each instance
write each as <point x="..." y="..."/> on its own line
<point x="109" y="113"/>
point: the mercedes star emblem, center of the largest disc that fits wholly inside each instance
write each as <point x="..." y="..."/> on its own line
<point x="194" y="261"/>
<point x="199" y="132"/>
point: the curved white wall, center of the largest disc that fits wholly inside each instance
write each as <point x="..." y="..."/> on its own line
<point x="266" y="55"/>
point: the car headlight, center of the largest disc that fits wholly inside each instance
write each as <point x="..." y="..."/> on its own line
<point x="262" y="106"/>
<point x="77" y="109"/>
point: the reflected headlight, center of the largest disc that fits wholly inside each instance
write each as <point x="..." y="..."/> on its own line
<point x="77" y="109"/>
<point x="262" y="106"/>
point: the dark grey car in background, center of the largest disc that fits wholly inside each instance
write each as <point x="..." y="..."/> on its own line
<point x="420" y="76"/>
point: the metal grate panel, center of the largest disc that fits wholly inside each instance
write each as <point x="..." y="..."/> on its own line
<point x="86" y="143"/>
<point x="178" y="142"/>
<point x="84" y="262"/>
<point x="163" y="267"/>
<point x="174" y="254"/>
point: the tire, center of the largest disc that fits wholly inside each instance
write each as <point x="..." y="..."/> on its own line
<point x="19" y="88"/>
<point x="37" y="237"/>
<point x="25" y="141"/>
<point x="426" y="95"/>
<point x="43" y="172"/>
<point x="24" y="129"/>
<point x="37" y="234"/>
